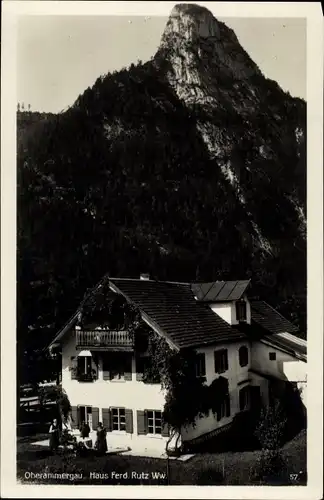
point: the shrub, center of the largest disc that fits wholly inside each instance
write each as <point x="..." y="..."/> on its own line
<point x="270" y="468"/>
<point x="271" y="426"/>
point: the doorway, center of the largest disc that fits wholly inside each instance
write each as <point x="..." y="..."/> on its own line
<point x="85" y="415"/>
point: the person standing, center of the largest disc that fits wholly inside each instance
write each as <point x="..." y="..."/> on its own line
<point x="84" y="430"/>
<point x="54" y="439"/>
<point x="101" y="443"/>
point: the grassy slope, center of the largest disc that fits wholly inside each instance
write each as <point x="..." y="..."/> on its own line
<point x="236" y="465"/>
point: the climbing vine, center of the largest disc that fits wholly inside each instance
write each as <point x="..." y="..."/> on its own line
<point x="188" y="397"/>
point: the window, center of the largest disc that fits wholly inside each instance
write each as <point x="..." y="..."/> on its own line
<point x="154" y="422"/>
<point x="118" y="419"/>
<point x="243" y="355"/>
<point x="116" y="365"/>
<point x="200" y="365"/>
<point x="84" y="367"/>
<point x="272" y="356"/>
<point x="244" y="398"/>
<point x="221" y="361"/>
<point x="224" y="409"/>
<point x="241" y="310"/>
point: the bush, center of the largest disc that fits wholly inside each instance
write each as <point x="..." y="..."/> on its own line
<point x="271" y="427"/>
<point x="270" y="468"/>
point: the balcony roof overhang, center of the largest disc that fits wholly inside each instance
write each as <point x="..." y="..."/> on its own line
<point x="84" y="354"/>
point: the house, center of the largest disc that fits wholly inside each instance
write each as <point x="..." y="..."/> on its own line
<point x="244" y="340"/>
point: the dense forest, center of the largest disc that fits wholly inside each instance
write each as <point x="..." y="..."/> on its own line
<point x="123" y="182"/>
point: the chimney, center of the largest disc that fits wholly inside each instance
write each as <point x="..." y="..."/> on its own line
<point x="145" y="276"/>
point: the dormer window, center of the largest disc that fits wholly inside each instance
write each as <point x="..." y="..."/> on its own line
<point x="241" y="310"/>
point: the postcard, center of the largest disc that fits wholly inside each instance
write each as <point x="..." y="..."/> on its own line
<point x="162" y="250"/>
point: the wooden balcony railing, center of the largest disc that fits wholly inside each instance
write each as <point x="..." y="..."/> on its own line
<point x="104" y="339"/>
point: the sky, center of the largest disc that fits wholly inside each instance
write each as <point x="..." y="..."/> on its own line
<point x="58" y="57"/>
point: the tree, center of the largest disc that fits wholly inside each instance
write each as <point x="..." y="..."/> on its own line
<point x="270" y="465"/>
<point x="57" y="393"/>
<point x="271" y="426"/>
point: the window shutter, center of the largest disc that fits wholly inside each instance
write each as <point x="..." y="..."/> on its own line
<point x="141" y="422"/>
<point x="80" y="365"/>
<point x="75" y="417"/>
<point x="106" y="419"/>
<point x="74" y="365"/>
<point x="216" y="361"/>
<point x="95" y="417"/>
<point x="129" y="421"/>
<point x="226" y="359"/>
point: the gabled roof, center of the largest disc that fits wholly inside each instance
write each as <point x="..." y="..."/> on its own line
<point x="220" y="291"/>
<point x="72" y="320"/>
<point x="270" y="319"/>
<point x="173" y="307"/>
<point x="173" y="310"/>
<point x="289" y="343"/>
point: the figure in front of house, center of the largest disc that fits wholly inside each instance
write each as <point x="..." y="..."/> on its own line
<point x="101" y="443"/>
<point x="54" y="439"/>
<point x="84" y="430"/>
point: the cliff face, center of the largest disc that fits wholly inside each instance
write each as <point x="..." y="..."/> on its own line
<point x="190" y="166"/>
<point x="239" y="109"/>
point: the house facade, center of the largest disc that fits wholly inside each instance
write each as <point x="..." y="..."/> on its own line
<point x="245" y="341"/>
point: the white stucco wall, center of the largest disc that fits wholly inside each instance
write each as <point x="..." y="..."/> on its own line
<point x="227" y="311"/>
<point x="237" y="377"/>
<point x="296" y="371"/>
<point x="262" y="363"/>
<point x="134" y="395"/>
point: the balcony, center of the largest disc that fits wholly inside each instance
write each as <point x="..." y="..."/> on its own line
<point x="107" y="340"/>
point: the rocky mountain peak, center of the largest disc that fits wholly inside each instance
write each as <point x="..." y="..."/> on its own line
<point x="192" y="21"/>
<point x="202" y="52"/>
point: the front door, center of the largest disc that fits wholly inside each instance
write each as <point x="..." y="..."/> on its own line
<point x="85" y="415"/>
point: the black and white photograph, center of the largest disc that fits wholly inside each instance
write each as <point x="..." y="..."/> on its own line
<point x="163" y="303"/>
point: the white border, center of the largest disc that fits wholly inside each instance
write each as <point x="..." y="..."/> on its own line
<point x="312" y="11"/>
